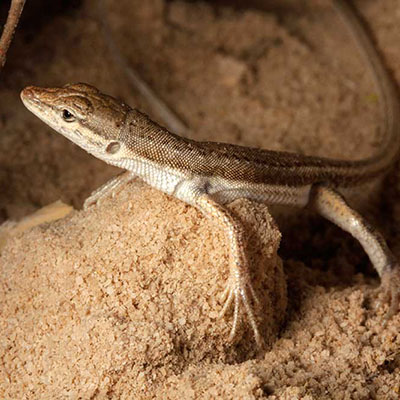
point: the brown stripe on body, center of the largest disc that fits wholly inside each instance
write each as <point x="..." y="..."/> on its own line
<point x="148" y="140"/>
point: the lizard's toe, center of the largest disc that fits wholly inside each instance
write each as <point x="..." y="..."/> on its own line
<point x="90" y="201"/>
<point x="241" y="293"/>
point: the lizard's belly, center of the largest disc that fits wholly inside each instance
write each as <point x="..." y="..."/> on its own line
<point x="225" y="192"/>
<point x="164" y="179"/>
<point x="187" y="187"/>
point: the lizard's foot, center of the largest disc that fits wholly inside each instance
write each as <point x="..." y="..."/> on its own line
<point x="108" y="188"/>
<point x="95" y="198"/>
<point x="390" y="288"/>
<point x="239" y="291"/>
<point x="90" y="201"/>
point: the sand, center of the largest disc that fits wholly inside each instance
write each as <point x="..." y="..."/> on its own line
<point x="122" y="300"/>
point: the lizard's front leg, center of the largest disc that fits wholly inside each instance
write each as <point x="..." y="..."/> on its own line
<point x="330" y="204"/>
<point x="110" y="186"/>
<point x="239" y="289"/>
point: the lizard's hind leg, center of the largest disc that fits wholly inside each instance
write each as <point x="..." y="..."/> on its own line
<point x="331" y="205"/>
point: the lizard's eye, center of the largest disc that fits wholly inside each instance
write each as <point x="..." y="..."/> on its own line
<point x="113" y="147"/>
<point x="67" y="116"/>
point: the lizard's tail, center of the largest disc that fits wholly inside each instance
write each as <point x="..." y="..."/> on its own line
<point x="388" y="95"/>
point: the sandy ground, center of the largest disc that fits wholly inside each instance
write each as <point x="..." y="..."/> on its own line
<point x="122" y="300"/>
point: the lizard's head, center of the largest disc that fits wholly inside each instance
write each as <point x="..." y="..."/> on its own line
<point x="84" y="115"/>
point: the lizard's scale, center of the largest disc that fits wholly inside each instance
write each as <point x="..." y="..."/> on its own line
<point x="208" y="175"/>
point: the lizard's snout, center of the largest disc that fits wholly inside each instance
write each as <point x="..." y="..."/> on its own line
<point x="28" y="93"/>
<point x="31" y="97"/>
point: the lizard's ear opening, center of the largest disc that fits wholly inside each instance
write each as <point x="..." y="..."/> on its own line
<point x="113" y="147"/>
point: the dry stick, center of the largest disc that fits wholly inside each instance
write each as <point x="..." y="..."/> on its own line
<point x="160" y="108"/>
<point x="14" y="13"/>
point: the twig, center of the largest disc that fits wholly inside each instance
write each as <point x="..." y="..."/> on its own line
<point x="164" y="112"/>
<point x="14" y="13"/>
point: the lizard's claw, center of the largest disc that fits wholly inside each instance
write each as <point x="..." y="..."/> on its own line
<point x="239" y="292"/>
<point x="390" y="288"/>
<point x="97" y="196"/>
<point x="89" y="202"/>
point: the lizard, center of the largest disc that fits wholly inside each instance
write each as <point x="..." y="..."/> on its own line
<point x="209" y="175"/>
